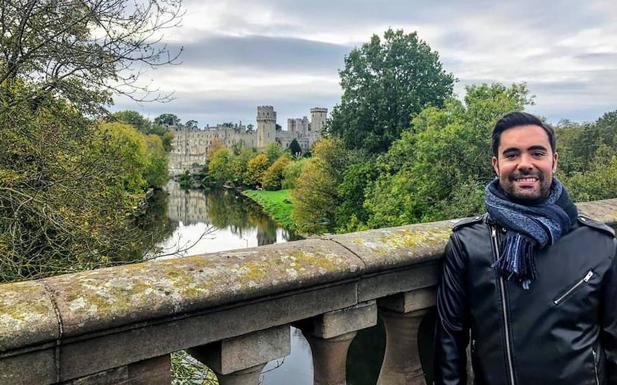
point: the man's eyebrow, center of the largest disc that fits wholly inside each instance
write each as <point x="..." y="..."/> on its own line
<point x="537" y="147"/>
<point x="510" y="149"/>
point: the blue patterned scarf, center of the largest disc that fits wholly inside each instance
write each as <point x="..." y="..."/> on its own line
<point x="531" y="227"/>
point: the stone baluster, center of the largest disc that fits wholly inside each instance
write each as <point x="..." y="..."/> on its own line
<point x="239" y="360"/>
<point x="153" y="371"/>
<point x="402" y="314"/>
<point x="330" y="335"/>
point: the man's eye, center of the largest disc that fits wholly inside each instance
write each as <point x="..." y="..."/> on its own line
<point x="510" y="155"/>
<point x="538" y="154"/>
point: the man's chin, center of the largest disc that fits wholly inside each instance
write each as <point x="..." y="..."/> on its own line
<point x="524" y="196"/>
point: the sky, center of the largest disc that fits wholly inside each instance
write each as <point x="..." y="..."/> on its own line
<point x="287" y="53"/>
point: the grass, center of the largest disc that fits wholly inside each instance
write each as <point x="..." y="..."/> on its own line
<point x="276" y="203"/>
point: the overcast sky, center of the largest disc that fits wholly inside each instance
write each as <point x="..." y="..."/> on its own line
<point x="286" y="53"/>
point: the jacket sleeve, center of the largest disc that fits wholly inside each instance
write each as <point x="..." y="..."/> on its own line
<point x="452" y="327"/>
<point x="608" y="332"/>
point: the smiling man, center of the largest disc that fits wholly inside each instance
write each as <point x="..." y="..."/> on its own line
<point x="532" y="282"/>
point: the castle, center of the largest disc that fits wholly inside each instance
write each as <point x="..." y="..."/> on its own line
<point x="190" y="145"/>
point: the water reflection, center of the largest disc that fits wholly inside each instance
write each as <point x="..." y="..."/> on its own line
<point x="216" y="220"/>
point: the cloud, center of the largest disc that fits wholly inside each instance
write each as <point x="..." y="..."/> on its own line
<point x="263" y="53"/>
<point x="239" y="54"/>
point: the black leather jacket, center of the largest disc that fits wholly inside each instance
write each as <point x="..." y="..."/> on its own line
<point x="562" y="331"/>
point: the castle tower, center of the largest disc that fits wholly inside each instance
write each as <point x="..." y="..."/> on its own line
<point x="318" y="119"/>
<point x="266" y="126"/>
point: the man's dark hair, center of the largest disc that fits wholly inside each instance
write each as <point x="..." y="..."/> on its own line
<point x="518" y="118"/>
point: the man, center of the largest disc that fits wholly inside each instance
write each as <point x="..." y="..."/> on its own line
<point x="534" y="282"/>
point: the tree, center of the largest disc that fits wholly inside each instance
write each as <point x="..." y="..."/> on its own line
<point x="145" y="126"/>
<point x="272" y="178"/>
<point x="292" y="172"/>
<point x="385" y="83"/>
<point x="133" y="118"/>
<point x="315" y="198"/>
<point x="167" y="120"/>
<point x="273" y="152"/>
<point x="255" y="169"/>
<point x="68" y="188"/>
<point x="219" y="165"/>
<point x="191" y="124"/>
<point x="294" y="148"/>
<point x="83" y="50"/>
<point x="445" y="152"/>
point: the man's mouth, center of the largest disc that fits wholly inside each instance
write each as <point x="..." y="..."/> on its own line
<point x="527" y="179"/>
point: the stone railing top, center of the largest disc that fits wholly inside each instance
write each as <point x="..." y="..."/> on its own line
<point x="35" y="312"/>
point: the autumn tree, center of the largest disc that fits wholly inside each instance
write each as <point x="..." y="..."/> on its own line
<point x="83" y="50"/>
<point x="385" y="83"/>
<point x="272" y="178"/>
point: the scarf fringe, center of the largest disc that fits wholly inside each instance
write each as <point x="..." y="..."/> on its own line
<point x="516" y="260"/>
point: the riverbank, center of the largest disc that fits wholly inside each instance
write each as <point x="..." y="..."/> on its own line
<point x="276" y="203"/>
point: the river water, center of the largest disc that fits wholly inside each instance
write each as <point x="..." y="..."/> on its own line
<point x="201" y="222"/>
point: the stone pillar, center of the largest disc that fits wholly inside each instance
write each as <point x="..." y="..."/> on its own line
<point x="330" y="335"/>
<point x="239" y="360"/>
<point x="153" y="371"/>
<point x="402" y="314"/>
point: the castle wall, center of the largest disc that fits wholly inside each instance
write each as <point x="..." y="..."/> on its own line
<point x="190" y="147"/>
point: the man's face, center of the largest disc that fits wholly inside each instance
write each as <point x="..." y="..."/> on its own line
<point x="525" y="163"/>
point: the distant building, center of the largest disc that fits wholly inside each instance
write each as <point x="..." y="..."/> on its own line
<point x="190" y="145"/>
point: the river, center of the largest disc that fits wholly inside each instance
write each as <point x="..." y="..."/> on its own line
<point x="199" y="222"/>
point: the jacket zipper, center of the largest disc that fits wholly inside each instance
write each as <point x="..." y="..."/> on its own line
<point x="595" y="366"/>
<point x="574" y="287"/>
<point x="504" y="309"/>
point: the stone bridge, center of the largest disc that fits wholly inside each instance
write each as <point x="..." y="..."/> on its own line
<point x="232" y="310"/>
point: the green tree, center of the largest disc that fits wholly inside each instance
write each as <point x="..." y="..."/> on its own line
<point x="351" y="214"/>
<point x="444" y="153"/>
<point x="385" y="83"/>
<point x="273" y="152"/>
<point x="145" y="126"/>
<point x="272" y="178"/>
<point x="315" y="198"/>
<point x="167" y="120"/>
<point x="294" y="148"/>
<point x="292" y="172"/>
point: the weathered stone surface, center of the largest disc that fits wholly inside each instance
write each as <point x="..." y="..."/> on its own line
<point x="401" y="364"/>
<point x="398" y="246"/>
<point x="105" y="298"/>
<point x="82" y="356"/>
<point x="155" y="371"/>
<point x="27" y="315"/>
<point x="248" y="376"/>
<point x="115" y="376"/>
<point x="329" y="358"/>
<point x="399" y="281"/>
<point x="36" y="367"/>
<point x="243" y="352"/>
<point x="603" y="211"/>
<point x="410" y="301"/>
<point x="338" y="322"/>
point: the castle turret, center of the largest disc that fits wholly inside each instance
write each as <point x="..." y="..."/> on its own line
<point x="266" y="126"/>
<point x="318" y="119"/>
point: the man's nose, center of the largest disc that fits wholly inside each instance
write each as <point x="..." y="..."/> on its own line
<point x="525" y="163"/>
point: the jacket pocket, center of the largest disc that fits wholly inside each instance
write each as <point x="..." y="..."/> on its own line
<point x="573" y="288"/>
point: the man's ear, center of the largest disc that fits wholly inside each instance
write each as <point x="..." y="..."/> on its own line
<point x="555" y="158"/>
<point x="495" y="165"/>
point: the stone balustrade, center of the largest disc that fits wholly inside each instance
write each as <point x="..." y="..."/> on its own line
<point x="231" y="310"/>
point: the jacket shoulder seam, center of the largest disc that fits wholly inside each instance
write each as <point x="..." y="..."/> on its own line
<point x="599" y="226"/>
